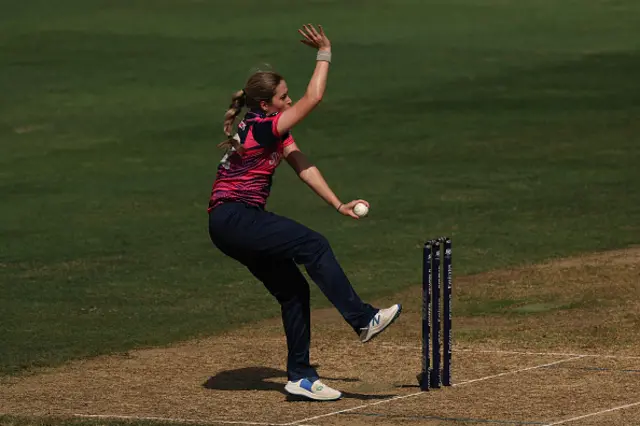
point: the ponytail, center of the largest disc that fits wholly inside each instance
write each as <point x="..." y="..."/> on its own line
<point x="260" y="87"/>
<point x="238" y="101"/>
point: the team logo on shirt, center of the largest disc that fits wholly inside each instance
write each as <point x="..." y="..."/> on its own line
<point x="274" y="159"/>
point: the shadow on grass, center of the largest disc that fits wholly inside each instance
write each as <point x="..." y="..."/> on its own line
<point x="257" y="378"/>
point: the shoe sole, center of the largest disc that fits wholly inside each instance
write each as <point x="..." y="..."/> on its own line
<point x="303" y="392"/>
<point x="395" y="317"/>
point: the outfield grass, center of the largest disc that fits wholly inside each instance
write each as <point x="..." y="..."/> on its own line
<point x="511" y="126"/>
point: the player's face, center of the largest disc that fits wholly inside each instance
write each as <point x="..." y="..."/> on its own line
<point x="281" y="100"/>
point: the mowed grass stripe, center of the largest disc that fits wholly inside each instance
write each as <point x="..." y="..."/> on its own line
<point x="509" y="127"/>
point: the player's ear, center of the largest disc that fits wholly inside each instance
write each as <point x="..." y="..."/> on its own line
<point x="264" y="105"/>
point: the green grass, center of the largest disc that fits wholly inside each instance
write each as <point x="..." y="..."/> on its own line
<point x="509" y="125"/>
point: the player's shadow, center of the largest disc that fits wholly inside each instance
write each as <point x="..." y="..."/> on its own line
<point x="258" y="378"/>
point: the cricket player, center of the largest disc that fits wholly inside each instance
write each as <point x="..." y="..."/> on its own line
<point x="272" y="246"/>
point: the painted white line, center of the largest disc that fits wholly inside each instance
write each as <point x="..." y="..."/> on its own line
<point x="517" y="371"/>
<point x="396" y="398"/>
<point x="519" y="352"/>
<point x="163" y="419"/>
<point x="174" y="420"/>
<point x="552" y="354"/>
<point x="298" y="422"/>
<point x="622" y="407"/>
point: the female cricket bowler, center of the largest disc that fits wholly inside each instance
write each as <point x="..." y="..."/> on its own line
<point x="272" y="246"/>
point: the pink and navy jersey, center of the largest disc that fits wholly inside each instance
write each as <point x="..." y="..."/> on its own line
<point x="247" y="177"/>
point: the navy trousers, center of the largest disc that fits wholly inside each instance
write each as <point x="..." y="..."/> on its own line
<point x="272" y="247"/>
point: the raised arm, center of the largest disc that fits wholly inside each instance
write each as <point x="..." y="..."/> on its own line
<point x="315" y="89"/>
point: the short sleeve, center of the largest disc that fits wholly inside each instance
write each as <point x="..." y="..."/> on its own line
<point x="265" y="132"/>
<point x="288" y="140"/>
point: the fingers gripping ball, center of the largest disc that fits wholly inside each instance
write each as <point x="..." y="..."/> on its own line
<point x="361" y="209"/>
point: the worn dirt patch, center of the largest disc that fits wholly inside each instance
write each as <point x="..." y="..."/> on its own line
<point x="240" y="376"/>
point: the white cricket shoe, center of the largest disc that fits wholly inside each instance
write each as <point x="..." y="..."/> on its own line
<point x="380" y="321"/>
<point x="317" y="390"/>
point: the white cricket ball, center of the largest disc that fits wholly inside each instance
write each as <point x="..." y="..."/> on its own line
<point x="361" y="209"/>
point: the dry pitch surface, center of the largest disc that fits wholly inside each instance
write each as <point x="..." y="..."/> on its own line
<point x="577" y="366"/>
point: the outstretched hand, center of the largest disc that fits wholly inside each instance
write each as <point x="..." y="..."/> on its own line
<point x="347" y="209"/>
<point x="313" y="38"/>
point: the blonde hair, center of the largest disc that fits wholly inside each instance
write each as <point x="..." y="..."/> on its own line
<point x="260" y="87"/>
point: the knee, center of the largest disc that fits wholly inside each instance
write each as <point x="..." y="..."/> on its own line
<point x="314" y="247"/>
<point x="297" y="294"/>
<point x="318" y="243"/>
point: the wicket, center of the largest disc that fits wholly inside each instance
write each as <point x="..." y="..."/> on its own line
<point x="432" y="375"/>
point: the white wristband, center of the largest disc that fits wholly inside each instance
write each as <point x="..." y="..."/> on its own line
<point x="323" y="55"/>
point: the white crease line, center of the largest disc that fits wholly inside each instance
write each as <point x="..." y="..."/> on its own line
<point x="622" y="407"/>
<point x="298" y="422"/>
<point x="518" y="371"/>
<point x="521" y="352"/>
<point x="551" y="354"/>
<point x="174" y="420"/>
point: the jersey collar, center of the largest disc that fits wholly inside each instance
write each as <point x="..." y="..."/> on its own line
<point x="260" y="113"/>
